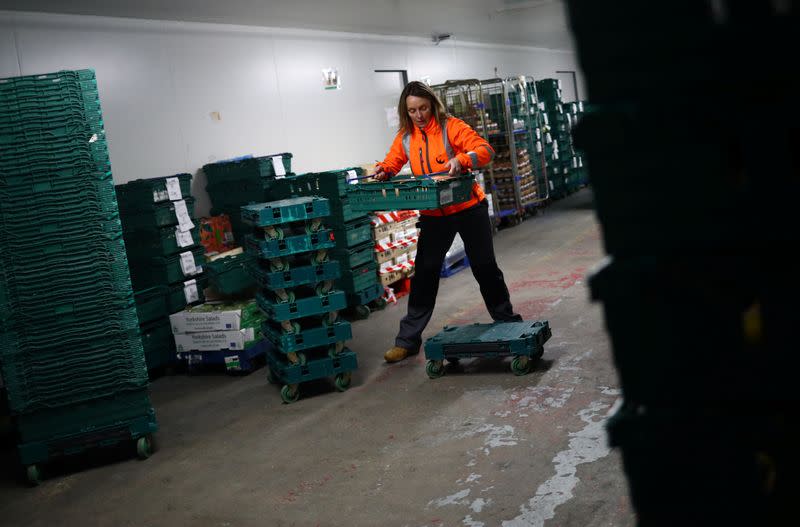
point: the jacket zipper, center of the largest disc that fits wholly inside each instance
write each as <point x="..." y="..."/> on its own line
<point x="421" y="162"/>
<point x="427" y="158"/>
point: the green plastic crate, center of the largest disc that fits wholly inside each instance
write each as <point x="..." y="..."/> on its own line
<point x="158" y="344"/>
<point x="352" y="257"/>
<point x="229" y="275"/>
<point x="252" y="168"/>
<point x="342" y="212"/>
<point x="410" y="193"/>
<point x="151" y="304"/>
<point x="316" y="368"/>
<point x="358" y="279"/>
<point x="290" y="245"/>
<point x="365" y="296"/>
<point x="161" y="215"/>
<point x="161" y="270"/>
<point x="285" y="211"/>
<point x="354" y="233"/>
<point x="160" y="241"/>
<point x="489" y="340"/>
<point x="307" y="338"/>
<point x="140" y="194"/>
<point x="295" y="276"/>
<point x="178" y="296"/>
<point x="304" y="307"/>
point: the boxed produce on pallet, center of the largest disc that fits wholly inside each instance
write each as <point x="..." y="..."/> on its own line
<point x="216" y="317"/>
<point x="215" y="340"/>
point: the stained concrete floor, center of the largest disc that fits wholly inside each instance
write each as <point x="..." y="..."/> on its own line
<point x="478" y="447"/>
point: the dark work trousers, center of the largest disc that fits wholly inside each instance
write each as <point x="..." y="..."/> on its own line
<point x="435" y="238"/>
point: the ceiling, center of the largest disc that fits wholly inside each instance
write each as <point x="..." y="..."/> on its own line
<point x="539" y="23"/>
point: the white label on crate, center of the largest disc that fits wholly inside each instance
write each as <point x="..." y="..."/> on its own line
<point x="352" y="177"/>
<point x="548" y="138"/>
<point x="183" y="238"/>
<point x="533" y="99"/>
<point x="574" y="108"/>
<point x="446" y="196"/>
<point x="560" y="95"/>
<point x="538" y="133"/>
<point x="538" y="147"/>
<point x="569" y="119"/>
<point x="580" y="162"/>
<point x="174" y="189"/>
<point x="580" y="107"/>
<point x="277" y="166"/>
<point x="187" y="264"/>
<point x="190" y="291"/>
<point x="182" y="214"/>
<point x="546" y="119"/>
<point x="555" y="154"/>
<point x="574" y="162"/>
<point x="551" y="185"/>
<point x="232" y="363"/>
<point x="541" y="106"/>
<point x="560" y="109"/>
<point x="559" y="83"/>
<point x="160" y="195"/>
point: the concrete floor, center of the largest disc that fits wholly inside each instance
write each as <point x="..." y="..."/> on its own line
<point x="479" y="447"/>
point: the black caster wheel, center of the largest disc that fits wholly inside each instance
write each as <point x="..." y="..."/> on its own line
<point x="380" y="303"/>
<point x="362" y="312"/>
<point x="33" y="475"/>
<point x="343" y="381"/>
<point x="289" y="394"/>
<point x="144" y="447"/>
<point x="521" y="365"/>
<point x="434" y="369"/>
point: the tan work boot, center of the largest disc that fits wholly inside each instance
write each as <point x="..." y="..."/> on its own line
<point x="396" y="354"/>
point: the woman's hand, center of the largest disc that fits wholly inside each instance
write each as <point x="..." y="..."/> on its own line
<point x="455" y="167"/>
<point x="380" y="174"/>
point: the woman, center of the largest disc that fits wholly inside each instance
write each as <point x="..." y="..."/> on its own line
<point x="433" y="142"/>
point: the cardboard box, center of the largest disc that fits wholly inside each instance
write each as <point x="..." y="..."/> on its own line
<point x="195" y="322"/>
<point x="214" y="340"/>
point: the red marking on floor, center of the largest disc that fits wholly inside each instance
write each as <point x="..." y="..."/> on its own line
<point x="304" y="487"/>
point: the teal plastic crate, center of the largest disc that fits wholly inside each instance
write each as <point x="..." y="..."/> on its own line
<point x="188" y="293"/>
<point x="295" y="276"/>
<point x="304" y="307"/>
<point x="290" y="375"/>
<point x="522" y="340"/>
<point x="162" y="270"/>
<point x="354" y="233"/>
<point x="307" y="338"/>
<point x="358" y="279"/>
<point x="331" y="184"/>
<point x="402" y="193"/>
<point x="285" y="211"/>
<point x="140" y="194"/>
<point x="290" y="245"/>
<point x="254" y="168"/>
<point x="158" y="344"/>
<point x="342" y="212"/>
<point x="352" y="257"/>
<point x="164" y="241"/>
<point x="151" y="304"/>
<point x="230" y="275"/>
<point x="161" y="215"/>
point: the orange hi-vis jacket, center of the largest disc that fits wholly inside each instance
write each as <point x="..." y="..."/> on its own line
<point x="430" y="149"/>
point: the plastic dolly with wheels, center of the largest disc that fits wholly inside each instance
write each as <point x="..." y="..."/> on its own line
<point x="337" y="361"/>
<point x="523" y="341"/>
<point x="363" y="303"/>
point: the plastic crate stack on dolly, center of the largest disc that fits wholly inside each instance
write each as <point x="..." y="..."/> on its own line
<point x="563" y="163"/>
<point x="354" y="246"/>
<point x="233" y="183"/>
<point x="395" y="249"/>
<point x="165" y="255"/>
<point x="293" y="268"/>
<point x="70" y="353"/>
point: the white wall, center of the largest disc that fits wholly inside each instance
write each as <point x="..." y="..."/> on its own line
<point x="160" y="81"/>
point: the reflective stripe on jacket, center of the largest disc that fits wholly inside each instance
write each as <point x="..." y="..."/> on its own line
<point x="429" y="150"/>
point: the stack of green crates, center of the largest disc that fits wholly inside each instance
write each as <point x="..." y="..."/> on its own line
<point x="233" y="183"/>
<point x="557" y="137"/>
<point x="165" y="256"/>
<point x="291" y="244"/>
<point x="536" y="140"/>
<point x="352" y="231"/>
<point x="70" y="352"/>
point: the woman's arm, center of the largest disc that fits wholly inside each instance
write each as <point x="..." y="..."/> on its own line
<point x="472" y="150"/>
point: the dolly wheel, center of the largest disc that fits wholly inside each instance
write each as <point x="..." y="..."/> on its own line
<point x="343" y="381"/>
<point x="521" y="365"/>
<point x="144" y="447"/>
<point x="434" y="369"/>
<point x="362" y="312"/>
<point x="290" y="394"/>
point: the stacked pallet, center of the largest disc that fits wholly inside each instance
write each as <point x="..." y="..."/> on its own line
<point x="70" y="353"/>
<point x="227" y="334"/>
<point x="231" y="184"/>
<point x="352" y="233"/>
<point x="291" y="245"/>
<point x="166" y="258"/>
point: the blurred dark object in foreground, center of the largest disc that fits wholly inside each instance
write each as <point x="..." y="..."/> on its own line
<point x="692" y="145"/>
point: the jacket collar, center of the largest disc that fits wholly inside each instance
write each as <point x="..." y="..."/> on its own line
<point x="431" y="128"/>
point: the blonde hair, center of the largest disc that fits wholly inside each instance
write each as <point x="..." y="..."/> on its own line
<point x="419" y="89"/>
